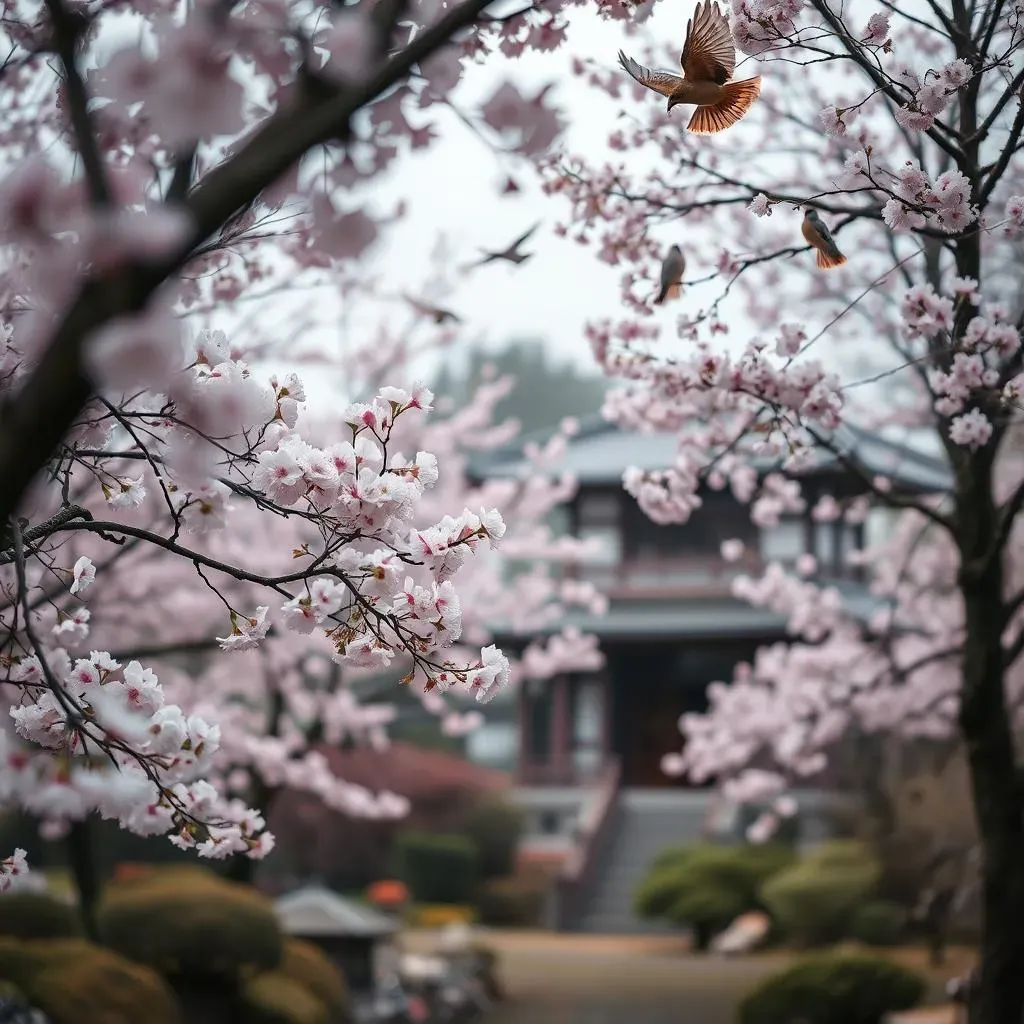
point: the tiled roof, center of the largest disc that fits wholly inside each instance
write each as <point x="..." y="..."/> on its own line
<point x="600" y="452"/>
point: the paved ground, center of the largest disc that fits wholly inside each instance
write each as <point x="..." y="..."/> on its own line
<point x="567" y="979"/>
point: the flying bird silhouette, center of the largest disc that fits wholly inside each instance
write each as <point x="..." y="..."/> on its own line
<point x="708" y="61"/>
<point x="820" y="238"/>
<point x="438" y="314"/>
<point x="672" y="269"/>
<point x="511" y="254"/>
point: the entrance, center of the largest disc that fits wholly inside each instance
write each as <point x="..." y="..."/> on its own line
<point x="651" y="687"/>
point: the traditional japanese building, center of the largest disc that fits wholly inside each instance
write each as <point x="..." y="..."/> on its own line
<point x="672" y="628"/>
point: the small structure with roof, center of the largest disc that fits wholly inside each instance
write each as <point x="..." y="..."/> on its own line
<point x="348" y="932"/>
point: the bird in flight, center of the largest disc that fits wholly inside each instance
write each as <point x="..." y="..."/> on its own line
<point x="708" y="61"/>
<point x="438" y="314"/>
<point x="820" y="238"/>
<point x="672" y="269"/>
<point x="511" y="254"/>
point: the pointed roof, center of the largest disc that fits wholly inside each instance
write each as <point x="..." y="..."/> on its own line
<point x="600" y="452"/>
<point x="317" y="911"/>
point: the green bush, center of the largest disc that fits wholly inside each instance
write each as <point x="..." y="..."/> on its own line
<point x="308" y="965"/>
<point x="494" y="827"/>
<point x="184" y="928"/>
<point x="812" y="902"/>
<point x="707" y="886"/>
<point x="75" y="982"/>
<point x="833" y="989"/>
<point x="37" y="915"/>
<point x="438" y="868"/>
<point x="878" y="923"/>
<point x="274" y="998"/>
<point x="511" y="903"/>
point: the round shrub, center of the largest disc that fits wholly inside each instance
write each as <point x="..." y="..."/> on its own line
<point x="37" y="915"/>
<point x="494" y="827"/>
<point x="438" y="868"/>
<point x="75" y="982"/>
<point x="198" y="928"/>
<point x="878" y="923"/>
<point x="308" y="965"/>
<point x="708" y="886"/>
<point x="812" y="902"/>
<point x="274" y="998"/>
<point x="511" y="903"/>
<point x="833" y="989"/>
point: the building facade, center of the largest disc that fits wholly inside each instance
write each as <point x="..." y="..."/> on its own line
<point x="672" y="626"/>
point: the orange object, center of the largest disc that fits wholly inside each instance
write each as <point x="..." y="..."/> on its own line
<point x="388" y="892"/>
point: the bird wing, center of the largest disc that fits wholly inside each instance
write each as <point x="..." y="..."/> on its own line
<point x="659" y="81"/>
<point x="523" y="238"/>
<point x="709" y="54"/>
<point x="820" y="229"/>
<point x="672" y="269"/>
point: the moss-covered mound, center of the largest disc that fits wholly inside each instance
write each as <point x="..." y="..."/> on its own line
<point x="274" y="998"/>
<point x="75" y="982"/>
<point x="188" y="926"/>
<point x="37" y="915"/>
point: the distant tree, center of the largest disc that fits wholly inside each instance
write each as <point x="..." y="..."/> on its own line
<point x="546" y="391"/>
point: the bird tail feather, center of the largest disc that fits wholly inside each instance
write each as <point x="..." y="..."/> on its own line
<point x="829" y="256"/>
<point x="737" y="99"/>
<point x="668" y="291"/>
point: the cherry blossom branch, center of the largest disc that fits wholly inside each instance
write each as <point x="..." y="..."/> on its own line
<point x="67" y="29"/>
<point x="38" y="416"/>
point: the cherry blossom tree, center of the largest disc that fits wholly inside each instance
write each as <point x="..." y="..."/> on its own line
<point x="175" y="132"/>
<point x="902" y="125"/>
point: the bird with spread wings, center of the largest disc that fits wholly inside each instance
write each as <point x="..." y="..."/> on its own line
<point x="708" y="61"/>
<point x="510" y="254"/>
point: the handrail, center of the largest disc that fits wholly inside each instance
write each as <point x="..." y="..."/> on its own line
<point x="592" y="837"/>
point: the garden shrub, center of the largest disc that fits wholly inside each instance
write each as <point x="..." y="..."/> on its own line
<point x="813" y="902"/>
<point x="75" y="982"/>
<point x="707" y="886"/>
<point x="308" y="965"/>
<point x="440" y="915"/>
<point x="438" y="868"/>
<point x="274" y="998"/>
<point x="511" y="903"/>
<point x="878" y="923"/>
<point x="197" y="927"/>
<point x="494" y="827"/>
<point x="38" y="915"/>
<point x="833" y="989"/>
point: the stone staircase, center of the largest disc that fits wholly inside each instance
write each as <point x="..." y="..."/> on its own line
<point x="648" y="821"/>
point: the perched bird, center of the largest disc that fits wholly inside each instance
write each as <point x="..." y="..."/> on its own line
<point x="820" y="238"/>
<point x="438" y="314"/>
<point x="511" y="254"/>
<point x="708" y="61"/>
<point x="672" y="269"/>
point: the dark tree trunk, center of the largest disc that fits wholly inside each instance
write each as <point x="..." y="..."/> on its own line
<point x="82" y="861"/>
<point x="985" y="726"/>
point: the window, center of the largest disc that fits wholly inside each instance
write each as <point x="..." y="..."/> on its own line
<point x="825" y="544"/>
<point x="588" y="712"/>
<point x="539" y="708"/>
<point x="598" y="520"/>
<point x="493" y="744"/>
<point x="785" y="542"/>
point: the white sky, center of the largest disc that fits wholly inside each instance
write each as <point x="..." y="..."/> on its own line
<point x="455" y="186"/>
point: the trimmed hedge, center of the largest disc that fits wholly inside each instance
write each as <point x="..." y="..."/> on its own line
<point x="198" y="927"/>
<point x="833" y="989"/>
<point x="308" y="965"/>
<point x="75" y="982"/>
<point x="438" y="868"/>
<point x="878" y="923"/>
<point x="511" y="903"/>
<point x="494" y="827"/>
<point x="707" y="886"/>
<point x="814" y="901"/>
<point x="274" y="998"/>
<point x="37" y="915"/>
